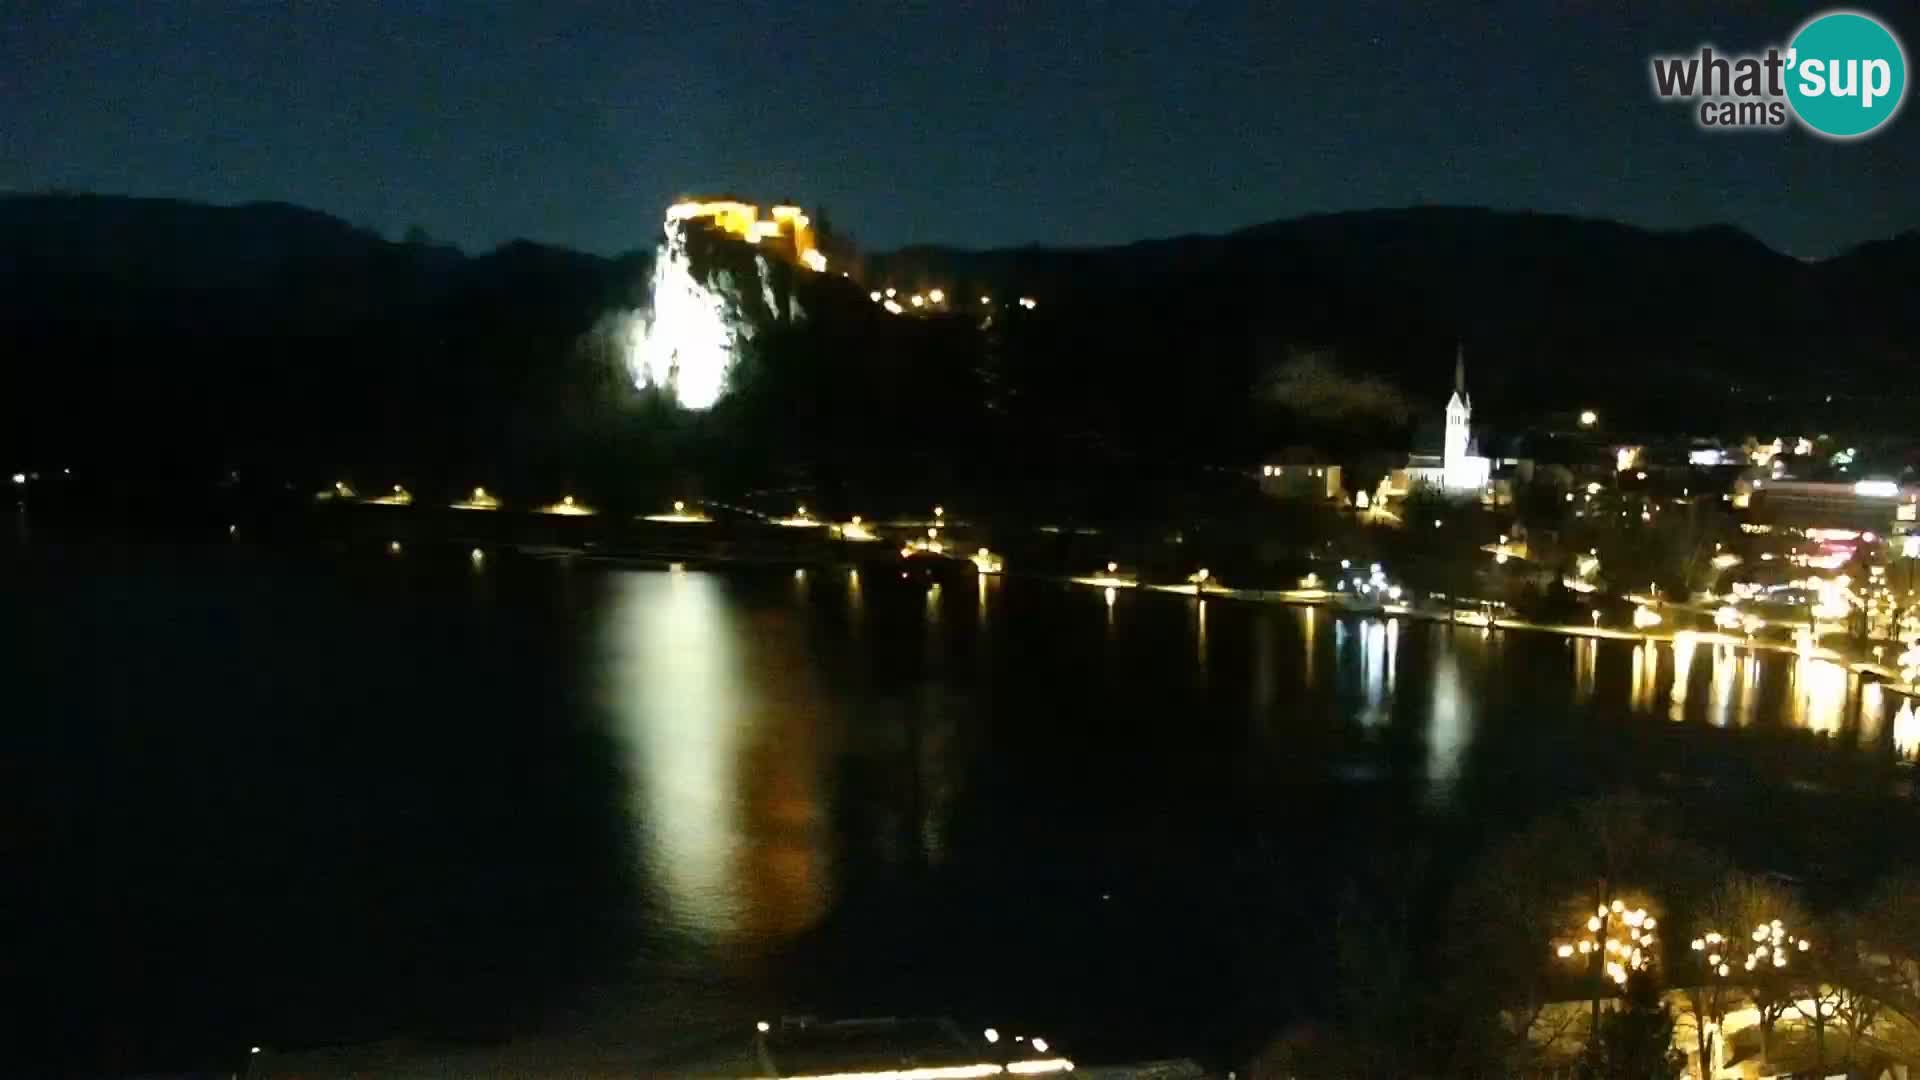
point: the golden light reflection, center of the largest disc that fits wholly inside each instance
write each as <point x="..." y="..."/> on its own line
<point x="1646" y="675"/>
<point x="1749" y="690"/>
<point x="1726" y="669"/>
<point x="725" y="767"/>
<point x="1310" y="618"/>
<point x="1585" y="653"/>
<point x="1906" y="729"/>
<point x="1683" y="646"/>
<point x="1201" y="636"/>
<point x="1873" y="713"/>
<point x="1819" y="694"/>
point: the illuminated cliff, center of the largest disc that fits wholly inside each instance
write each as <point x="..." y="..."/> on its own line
<point x="720" y="274"/>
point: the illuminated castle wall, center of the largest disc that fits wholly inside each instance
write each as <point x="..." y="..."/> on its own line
<point x="789" y="230"/>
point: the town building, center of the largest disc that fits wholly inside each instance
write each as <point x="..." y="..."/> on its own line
<point x="1879" y="506"/>
<point x="1302" y="480"/>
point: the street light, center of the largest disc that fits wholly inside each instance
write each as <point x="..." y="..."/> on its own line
<point x="1773" y="945"/>
<point x="1588" y="418"/>
<point x="1631" y="951"/>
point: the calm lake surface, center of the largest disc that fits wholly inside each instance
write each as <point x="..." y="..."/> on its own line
<point x="315" y="796"/>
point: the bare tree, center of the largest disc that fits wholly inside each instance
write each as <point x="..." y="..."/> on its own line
<point x="1889" y="941"/>
<point x="1722" y="924"/>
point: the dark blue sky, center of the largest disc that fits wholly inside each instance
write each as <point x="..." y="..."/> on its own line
<point x="974" y="124"/>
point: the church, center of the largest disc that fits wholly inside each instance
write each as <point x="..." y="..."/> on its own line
<point x="1459" y="469"/>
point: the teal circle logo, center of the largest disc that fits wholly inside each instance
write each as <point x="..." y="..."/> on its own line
<point x="1847" y="74"/>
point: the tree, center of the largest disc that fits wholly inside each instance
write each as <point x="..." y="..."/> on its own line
<point x="1514" y="901"/>
<point x="1722" y="922"/>
<point x="1854" y="989"/>
<point x="1526" y="897"/>
<point x="1636" y="1040"/>
<point x="1889" y="931"/>
<point x="1815" y="999"/>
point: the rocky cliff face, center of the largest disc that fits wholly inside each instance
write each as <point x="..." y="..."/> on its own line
<point x="708" y="294"/>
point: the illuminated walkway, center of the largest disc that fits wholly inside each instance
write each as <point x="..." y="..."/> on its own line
<point x="1323" y="598"/>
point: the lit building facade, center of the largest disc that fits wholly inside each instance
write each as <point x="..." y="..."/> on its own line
<point x="1302" y="482"/>
<point x="1879" y="506"/>
<point x="1459" y="469"/>
<point x="787" y="229"/>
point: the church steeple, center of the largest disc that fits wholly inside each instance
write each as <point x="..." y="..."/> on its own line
<point x="1460" y="400"/>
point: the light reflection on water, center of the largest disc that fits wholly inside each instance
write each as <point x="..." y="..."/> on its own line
<point x="1906" y="730"/>
<point x="1683" y="646"/>
<point x="1726" y="671"/>
<point x="1201" y="636"/>
<point x="1586" y="652"/>
<point x="1819" y="695"/>
<point x="1451" y="728"/>
<point x="709" y="764"/>
<point x="1646" y="675"/>
<point x="1374" y="661"/>
<point x="725" y="753"/>
<point x="1309" y="623"/>
<point x="1749" y="691"/>
<point x="731" y="740"/>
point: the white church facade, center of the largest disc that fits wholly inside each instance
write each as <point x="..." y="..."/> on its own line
<point x="1459" y="469"/>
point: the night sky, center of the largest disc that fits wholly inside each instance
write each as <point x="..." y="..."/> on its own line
<point x="979" y="125"/>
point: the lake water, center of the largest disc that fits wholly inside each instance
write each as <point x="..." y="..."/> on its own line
<point x="316" y="796"/>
